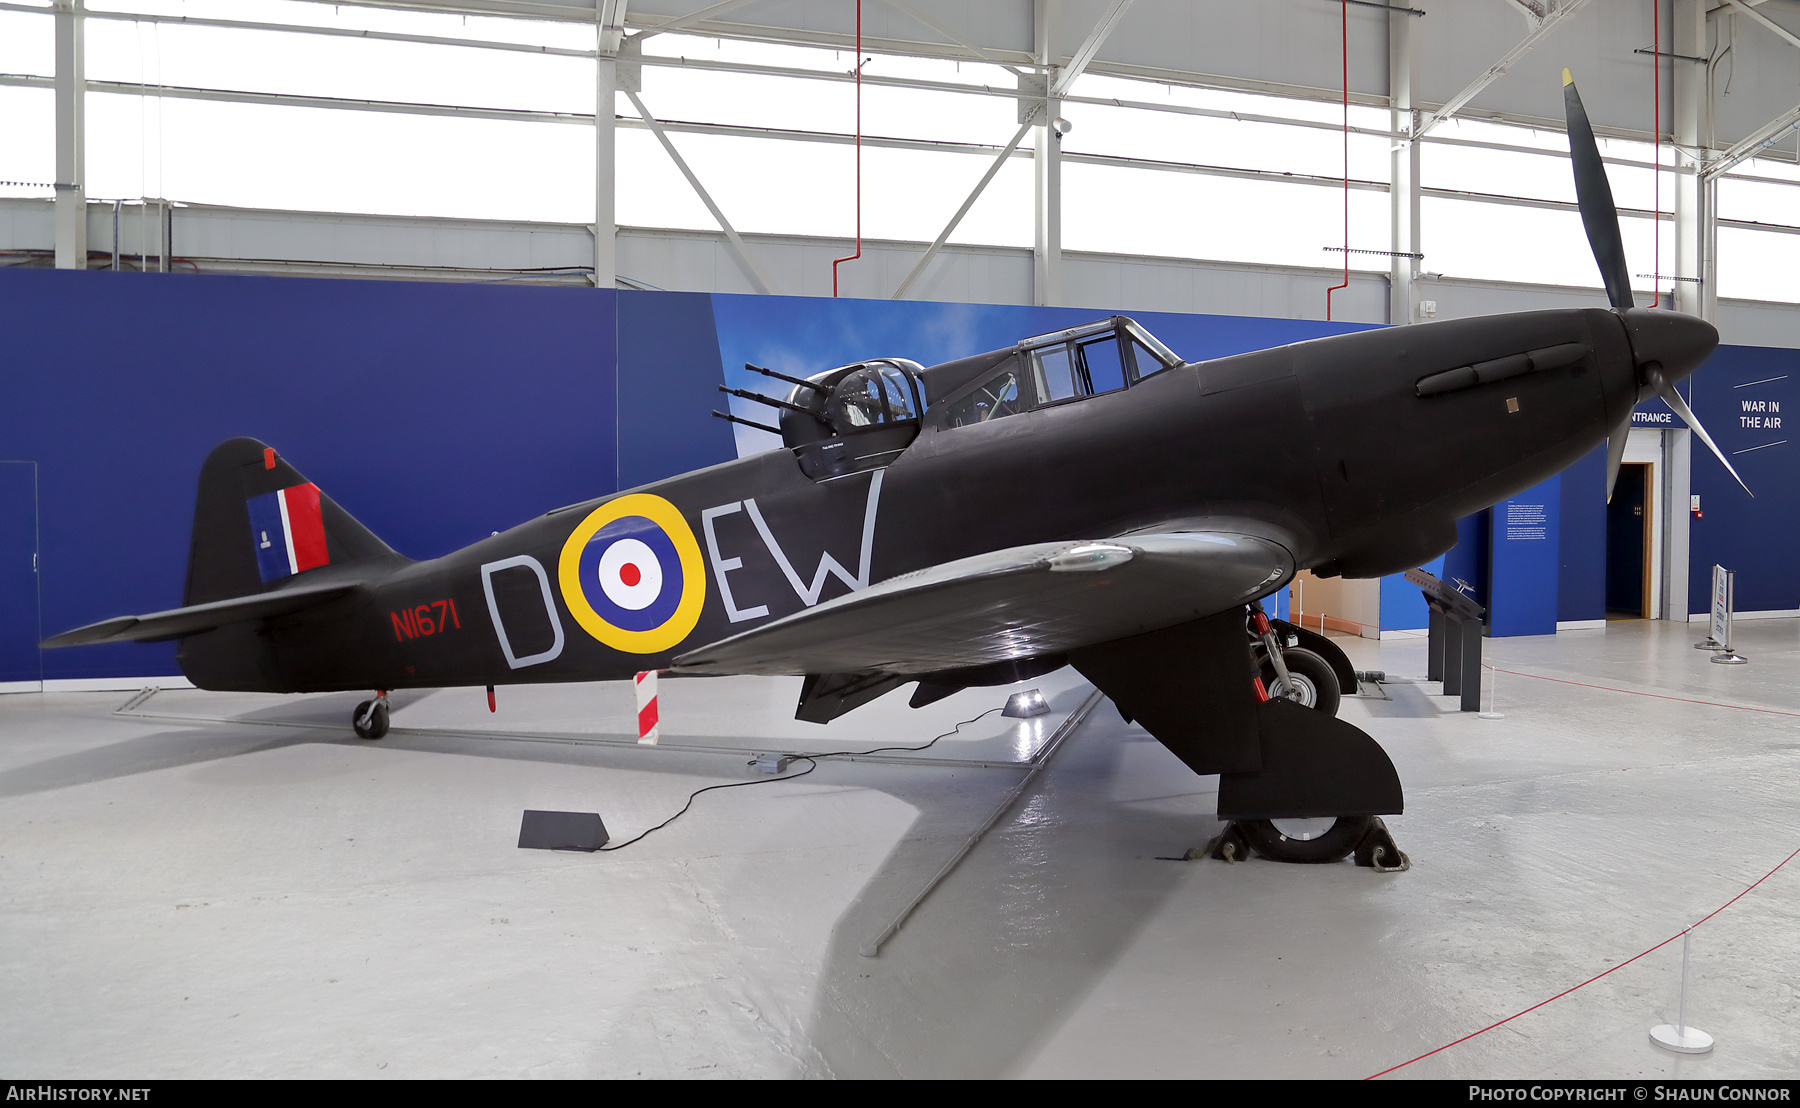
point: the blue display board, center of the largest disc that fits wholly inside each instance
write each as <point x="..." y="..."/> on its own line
<point x="1523" y="561"/>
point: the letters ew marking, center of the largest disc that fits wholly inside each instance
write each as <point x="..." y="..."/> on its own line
<point x="828" y="565"/>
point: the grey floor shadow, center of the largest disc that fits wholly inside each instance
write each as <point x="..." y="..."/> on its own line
<point x="1408" y="701"/>
<point x="210" y="742"/>
<point x="988" y="965"/>
<point x="328" y="709"/>
<point x="146" y="754"/>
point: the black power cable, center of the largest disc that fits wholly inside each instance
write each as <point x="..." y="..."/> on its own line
<point x="812" y="761"/>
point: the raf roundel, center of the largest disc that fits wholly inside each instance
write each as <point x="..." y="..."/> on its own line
<point x="631" y="574"/>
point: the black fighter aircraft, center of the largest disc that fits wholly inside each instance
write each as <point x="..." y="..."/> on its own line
<point x="1083" y="498"/>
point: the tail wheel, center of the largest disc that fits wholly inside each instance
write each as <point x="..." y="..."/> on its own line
<point x="370" y="719"/>
<point x="1315" y="683"/>
<point x="1326" y="839"/>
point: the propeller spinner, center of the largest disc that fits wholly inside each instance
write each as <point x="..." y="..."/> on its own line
<point x="1666" y="345"/>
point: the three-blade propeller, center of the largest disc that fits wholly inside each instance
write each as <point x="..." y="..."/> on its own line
<point x="1600" y="217"/>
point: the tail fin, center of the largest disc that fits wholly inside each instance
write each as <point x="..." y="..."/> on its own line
<point x="258" y="523"/>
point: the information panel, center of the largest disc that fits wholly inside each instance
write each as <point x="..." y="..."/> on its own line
<point x="1524" y="561"/>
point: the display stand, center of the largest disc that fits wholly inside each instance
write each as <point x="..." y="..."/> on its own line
<point x="1724" y="601"/>
<point x="1454" y="631"/>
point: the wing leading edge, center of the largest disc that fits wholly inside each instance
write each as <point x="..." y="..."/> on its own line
<point x="1022" y="602"/>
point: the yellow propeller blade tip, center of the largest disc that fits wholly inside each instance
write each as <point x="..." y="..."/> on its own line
<point x="1567" y="79"/>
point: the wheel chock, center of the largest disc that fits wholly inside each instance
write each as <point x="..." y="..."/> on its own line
<point x="1379" y="852"/>
<point x="1228" y="846"/>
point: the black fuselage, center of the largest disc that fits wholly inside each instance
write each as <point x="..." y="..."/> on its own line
<point x="1325" y="445"/>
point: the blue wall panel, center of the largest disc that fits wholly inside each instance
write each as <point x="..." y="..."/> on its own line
<point x="669" y="375"/>
<point x="19" y="632"/>
<point x="1746" y="395"/>
<point x="433" y="413"/>
<point x="1402" y="602"/>
<point x="1581" y="580"/>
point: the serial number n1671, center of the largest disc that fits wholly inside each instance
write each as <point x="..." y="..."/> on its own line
<point x="434" y="618"/>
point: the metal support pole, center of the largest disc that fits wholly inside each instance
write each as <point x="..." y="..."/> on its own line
<point x="1692" y="133"/>
<point x="609" y="30"/>
<point x="1046" y="284"/>
<point x="1047" y="251"/>
<point x="71" y="138"/>
<point x="1403" y="190"/>
<point x="605" y="226"/>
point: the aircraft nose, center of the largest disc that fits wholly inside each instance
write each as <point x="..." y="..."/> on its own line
<point x="1675" y="340"/>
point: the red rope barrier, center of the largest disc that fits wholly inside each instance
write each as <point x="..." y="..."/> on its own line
<point x="1658" y="696"/>
<point x="1594" y="978"/>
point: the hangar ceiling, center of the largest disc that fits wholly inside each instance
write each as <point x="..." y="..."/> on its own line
<point x="1729" y="84"/>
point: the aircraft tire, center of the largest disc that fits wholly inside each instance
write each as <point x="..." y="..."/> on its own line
<point x="376" y="718"/>
<point x="1317" y="681"/>
<point x="1332" y="845"/>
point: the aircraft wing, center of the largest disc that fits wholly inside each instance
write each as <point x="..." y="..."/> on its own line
<point x="1015" y="603"/>
<point x="200" y="617"/>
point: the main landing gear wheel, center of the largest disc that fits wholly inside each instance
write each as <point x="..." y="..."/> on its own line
<point x="1328" y="839"/>
<point x="371" y="718"/>
<point x="1315" y="683"/>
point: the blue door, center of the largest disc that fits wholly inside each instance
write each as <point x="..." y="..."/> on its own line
<point x="19" y="630"/>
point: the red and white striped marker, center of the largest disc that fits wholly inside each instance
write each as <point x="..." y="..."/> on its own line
<point x="645" y="684"/>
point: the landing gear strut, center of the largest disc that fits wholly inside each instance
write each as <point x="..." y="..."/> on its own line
<point x="1290" y="672"/>
<point x="371" y="717"/>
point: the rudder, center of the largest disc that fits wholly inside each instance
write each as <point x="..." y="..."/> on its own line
<point x="258" y="522"/>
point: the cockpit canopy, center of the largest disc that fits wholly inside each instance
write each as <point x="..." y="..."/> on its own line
<point x="1063" y="366"/>
<point x="871" y="394"/>
<point x="854" y="417"/>
<point x="862" y="416"/>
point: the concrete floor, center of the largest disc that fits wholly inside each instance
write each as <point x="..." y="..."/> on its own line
<point x="221" y="885"/>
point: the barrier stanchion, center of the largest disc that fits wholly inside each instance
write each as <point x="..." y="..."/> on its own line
<point x="1493" y="695"/>
<point x="1681" y="1038"/>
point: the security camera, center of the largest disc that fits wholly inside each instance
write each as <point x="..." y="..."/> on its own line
<point x="1061" y="126"/>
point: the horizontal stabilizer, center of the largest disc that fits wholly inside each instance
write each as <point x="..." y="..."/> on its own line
<point x="1023" y="602"/>
<point x="177" y="622"/>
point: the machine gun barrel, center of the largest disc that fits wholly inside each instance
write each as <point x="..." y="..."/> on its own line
<point x="761" y="399"/>
<point x="749" y="423"/>
<point x="813" y="385"/>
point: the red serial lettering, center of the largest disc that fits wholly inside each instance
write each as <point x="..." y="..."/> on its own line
<point x="410" y="623"/>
